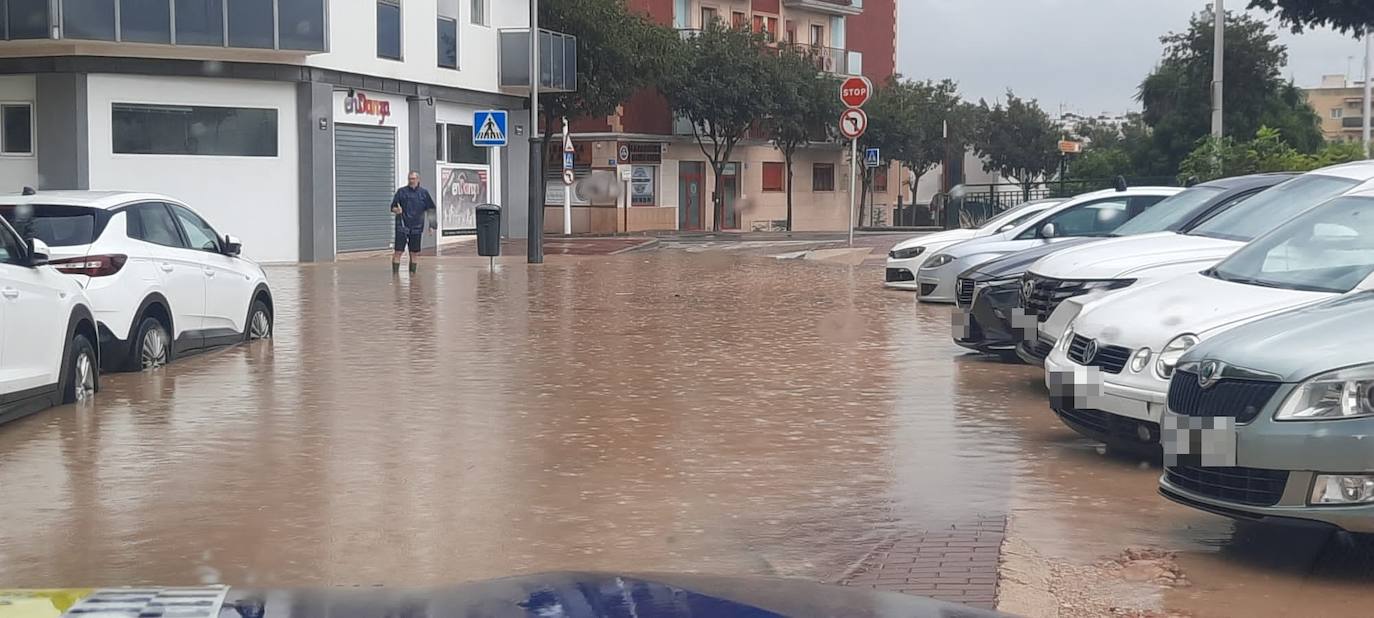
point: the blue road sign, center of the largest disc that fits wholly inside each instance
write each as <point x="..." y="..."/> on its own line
<point x="567" y="160"/>
<point x="489" y="128"/>
<point x="872" y="157"/>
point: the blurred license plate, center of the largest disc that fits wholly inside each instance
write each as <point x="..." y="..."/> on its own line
<point x="1199" y="441"/>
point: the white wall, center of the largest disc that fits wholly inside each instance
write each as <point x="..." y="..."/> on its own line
<point x="353" y="41"/>
<point x="253" y="198"/>
<point x="19" y="171"/>
<point x="398" y="119"/>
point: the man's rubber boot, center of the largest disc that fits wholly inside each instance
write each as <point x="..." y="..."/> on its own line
<point x="413" y="266"/>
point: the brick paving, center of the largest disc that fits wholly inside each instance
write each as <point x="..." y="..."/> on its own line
<point x="957" y="564"/>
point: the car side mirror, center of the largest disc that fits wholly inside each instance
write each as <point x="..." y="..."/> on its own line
<point x="38" y="252"/>
<point x="1047" y="230"/>
<point x="232" y="246"/>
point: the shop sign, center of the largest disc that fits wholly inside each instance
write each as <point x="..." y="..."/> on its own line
<point x="642" y="185"/>
<point x="461" y="190"/>
<point x="359" y="105"/>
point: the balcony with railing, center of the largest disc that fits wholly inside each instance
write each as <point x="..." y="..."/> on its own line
<point x="832" y="7"/>
<point x="835" y="60"/>
<point x="295" y="26"/>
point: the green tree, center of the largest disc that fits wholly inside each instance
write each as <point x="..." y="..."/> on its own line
<point x="1018" y="140"/>
<point x="1342" y="15"/>
<point x="1177" y="96"/>
<point x="907" y="121"/>
<point x="719" y="82"/>
<point x="1100" y="163"/>
<point x="1096" y="134"/>
<point x="1268" y="152"/>
<point x="618" y="53"/>
<point x="804" y="108"/>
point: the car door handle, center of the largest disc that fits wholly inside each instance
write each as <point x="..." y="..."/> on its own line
<point x="9" y="293"/>
<point x="166" y="267"/>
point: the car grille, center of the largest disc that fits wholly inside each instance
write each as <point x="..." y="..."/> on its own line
<point x="895" y="275"/>
<point x="1250" y="486"/>
<point x="1108" y="426"/>
<point x="1040" y="296"/>
<point x="1110" y="358"/>
<point x="1242" y="399"/>
<point x="928" y="288"/>
<point x="965" y="296"/>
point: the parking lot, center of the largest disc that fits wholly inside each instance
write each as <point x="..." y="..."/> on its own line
<point x="668" y="410"/>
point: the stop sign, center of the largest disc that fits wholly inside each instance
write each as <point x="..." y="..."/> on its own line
<point x="855" y="91"/>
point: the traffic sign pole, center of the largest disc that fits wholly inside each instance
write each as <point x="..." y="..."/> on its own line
<point x="853" y="182"/>
<point x="567" y="187"/>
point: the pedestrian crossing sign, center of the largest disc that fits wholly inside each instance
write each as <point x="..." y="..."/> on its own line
<point x="872" y="158"/>
<point x="489" y="128"/>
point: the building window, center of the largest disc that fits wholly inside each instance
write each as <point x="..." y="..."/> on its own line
<point x="28" y="19"/>
<point x="200" y="22"/>
<point x="194" y="130"/>
<point x="389" y="29"/>
<point x="448" y="43"/>
<point x="479" y="12"/>
<point x="250" y="24"/>
<point x="439" y="141"/>
<point x="1337" y="113"/>
<point x="823" y="177"/>
<point x="738" y="19"/>
<point x="708" y="16"/>
<point x="460" y="148"/>
<point x="791" y="31"/>
<point x="16" y="128"/>
<point x="300" y="24"/>
<point x="818" y="36"/>
<point x="145" y="21"/>
<point x="773" y="174"/>
<point x="89" y="19"/>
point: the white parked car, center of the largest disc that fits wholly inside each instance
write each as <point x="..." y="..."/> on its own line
<point x="162" y="282"/>
<point x="1109" y="374"/>
<point x="1054" y="287"/>
<point x="47" y="332"/>
<point x="906" y="256"/>
<point x="1091" y="214"/>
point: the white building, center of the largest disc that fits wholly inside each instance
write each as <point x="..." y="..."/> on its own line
<point x="288" y="123"/>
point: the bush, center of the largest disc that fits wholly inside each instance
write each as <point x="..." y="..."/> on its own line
<point x="1268" y="152"/>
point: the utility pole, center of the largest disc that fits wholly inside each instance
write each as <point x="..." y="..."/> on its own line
<point x="535" y="232"/>
<point x="1218" y="72"/>
<point x="1368" y="64"/>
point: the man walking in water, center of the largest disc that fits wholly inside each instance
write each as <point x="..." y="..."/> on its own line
<point x="411" y="207"/>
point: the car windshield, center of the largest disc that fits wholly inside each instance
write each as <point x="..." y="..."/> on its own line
<point x="1015" y="215"/>
<point x="1328" y="249"/>
<point x="1259" y="214"/>
<point x="58" y="226"/>
<point x="1169" y="212"/>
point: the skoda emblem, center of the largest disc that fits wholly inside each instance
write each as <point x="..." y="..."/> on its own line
<point x="1090" y="351"/>
<point x="1209" y="374"/>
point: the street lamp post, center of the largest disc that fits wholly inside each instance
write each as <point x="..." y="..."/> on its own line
<point x="1218" y="73"/>
<point x="535" y="231"/>
<point x="1368" y="64"/>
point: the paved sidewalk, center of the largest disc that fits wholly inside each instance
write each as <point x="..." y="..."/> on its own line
<point x="958" y="564"/>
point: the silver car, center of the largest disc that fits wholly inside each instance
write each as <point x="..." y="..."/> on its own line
<point x="1091" y="214"/>
<point x="1271" y="421"/>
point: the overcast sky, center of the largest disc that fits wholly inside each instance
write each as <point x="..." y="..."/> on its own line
<point x="1088" y="55"/>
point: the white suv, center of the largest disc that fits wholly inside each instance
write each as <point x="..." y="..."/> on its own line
<point x="162" y="282"/>
<point x="47" y="332"/>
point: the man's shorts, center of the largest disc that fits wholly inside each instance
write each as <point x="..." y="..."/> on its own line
<point x="404" y="239"/>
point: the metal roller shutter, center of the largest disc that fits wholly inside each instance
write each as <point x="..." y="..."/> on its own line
<point x="364" y="183"/>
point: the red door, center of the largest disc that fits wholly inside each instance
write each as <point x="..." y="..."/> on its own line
<point x="691" y="182"/>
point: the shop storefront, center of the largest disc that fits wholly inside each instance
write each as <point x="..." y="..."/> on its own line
<point x="369" y="134"/>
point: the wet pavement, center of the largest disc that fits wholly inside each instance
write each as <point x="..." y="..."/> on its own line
<point x="658" y="410"/>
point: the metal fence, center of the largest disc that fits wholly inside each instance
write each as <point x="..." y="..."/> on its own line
<point x="970" y="205"/>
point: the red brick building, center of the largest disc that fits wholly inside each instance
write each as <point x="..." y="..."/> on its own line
<point x="670" y="180"/>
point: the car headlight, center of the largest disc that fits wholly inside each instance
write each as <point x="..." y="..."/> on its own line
<point x="1065" y="339"/>
<point x="938" y="261"/>
<point x="1104" y="285"/>
<point x="1174" y="350"/>
<point x="906" y="254"/>
<point x="1347" y="393"/>
<point x="1141" y="360"/>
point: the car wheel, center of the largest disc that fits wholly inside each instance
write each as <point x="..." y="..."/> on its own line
<point x="152" y="347"/>
<point x="259" y="322"/>
<point x="83" y="377"/>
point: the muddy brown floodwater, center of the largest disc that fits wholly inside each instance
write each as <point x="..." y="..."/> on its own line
<point x="665" y="411"/>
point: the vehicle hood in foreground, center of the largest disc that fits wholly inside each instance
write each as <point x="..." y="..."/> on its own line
<point x="1120" y="258"/>
<point x="1194" y="303"/>
<point x="1296" y="345"/>
<point x="570" y="595"/>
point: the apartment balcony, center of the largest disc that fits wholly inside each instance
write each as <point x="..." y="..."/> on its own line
<point x="298" y="27"/>
<point x="830" y="7"/>
<point x="835" y="60"/>
<point x="1352" y="123"/>
<point x="557" y="61"/>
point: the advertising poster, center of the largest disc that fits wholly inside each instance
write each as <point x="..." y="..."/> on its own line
<point x="643" y="183"/>
<point x="461" y="190"/>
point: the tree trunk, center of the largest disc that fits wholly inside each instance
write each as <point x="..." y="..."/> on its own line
<point x="717" y="198"/>
<point x="787" y="158"/>
<point x="863" y="195"/>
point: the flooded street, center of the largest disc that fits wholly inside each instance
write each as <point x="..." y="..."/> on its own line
<point x="665" y="410"/>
